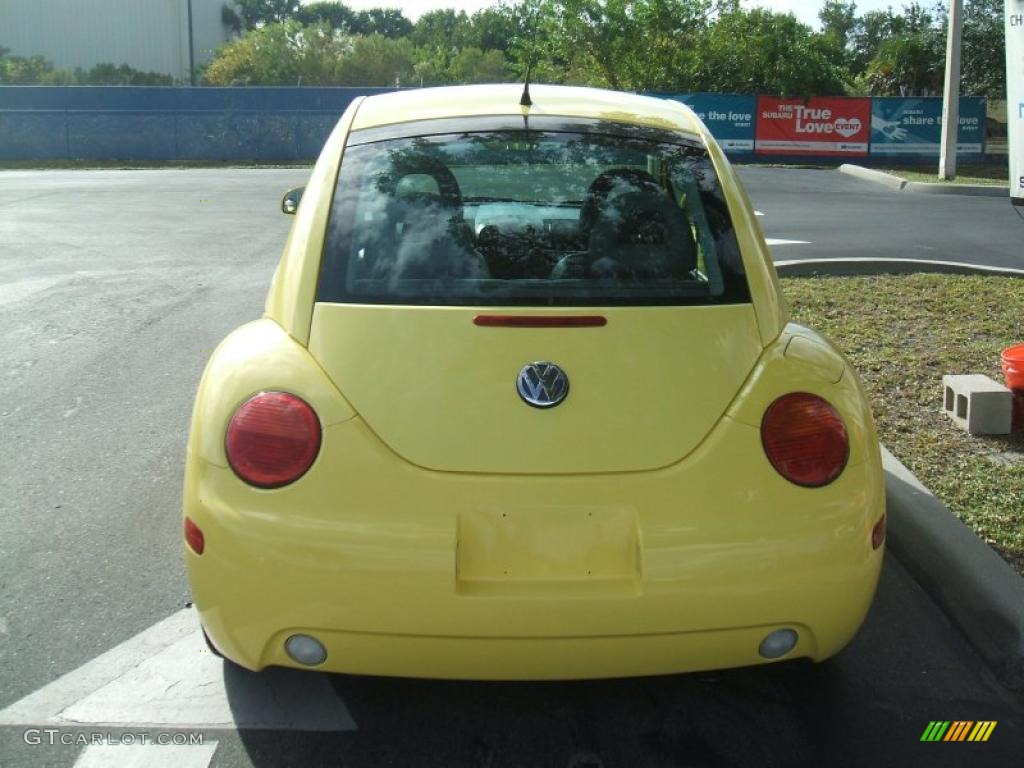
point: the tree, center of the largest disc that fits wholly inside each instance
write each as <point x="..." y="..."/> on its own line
<point x="759" y="51"/>
<point x="666" y="53"/>
<point x="443" y="29"/>
<point x="35" y="70"/>
<point x="663" y="45"/>
<point x="596" y="31"/>
<point x="838" y="23"/>
<point x="872" y="29"/>
<point x="447" y="51"/>
<point x="335" y="15"/>
<point x="907" y="52"/>
<point x="388" y="22"/>
<point x="470" y="65"/>
<point x="907" y="65"/>
<point x="495" y="28"/>
<point x="722" y="7"/>
<point x="254" y="13"/>
<point x="984" y="49"/>
<point x="111" y="74"/>
<point x="620" y="44"/>
<point x="376" y="60"/>
<point x="23" y="70"/>
<point x="281" y="54"/>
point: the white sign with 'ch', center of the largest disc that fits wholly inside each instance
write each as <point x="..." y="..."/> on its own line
<point x="1015" y="95"/>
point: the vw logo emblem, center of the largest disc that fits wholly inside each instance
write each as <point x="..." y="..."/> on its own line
<point x="542" y="385"/>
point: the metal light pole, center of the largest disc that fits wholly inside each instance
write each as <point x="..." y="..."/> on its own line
<point x="951" y="94"/>
<point x="1015" y="96"/>
<point x="191" y="48"/>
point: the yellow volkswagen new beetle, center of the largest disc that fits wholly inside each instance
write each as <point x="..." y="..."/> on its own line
<point x="524" y="403"/>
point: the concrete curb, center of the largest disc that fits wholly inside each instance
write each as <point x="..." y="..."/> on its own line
<point x="972" y="190"/>
<point x="980" y="593"/>
<point x="870" y="174"/>
<point x="867" y="266"/>
<point x="899" y="184"/>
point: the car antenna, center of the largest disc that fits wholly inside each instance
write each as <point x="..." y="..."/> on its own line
<point x="526" y="101"/>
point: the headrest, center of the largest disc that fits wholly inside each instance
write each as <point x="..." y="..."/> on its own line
<point x="612" y="183"/>
<point x="642" y="233"/>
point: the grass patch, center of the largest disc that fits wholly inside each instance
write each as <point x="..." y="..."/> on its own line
<point x="901" y="334"/>
<point x="991" y="174"/>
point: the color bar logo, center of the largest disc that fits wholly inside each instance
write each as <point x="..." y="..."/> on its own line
<point x="958" y="730"/>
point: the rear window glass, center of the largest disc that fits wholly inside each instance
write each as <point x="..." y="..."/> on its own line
<point x="529" y="218"/>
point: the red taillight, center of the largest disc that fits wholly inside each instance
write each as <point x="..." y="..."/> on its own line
<point x="805" y="439"/>
<point x="194" y="537"/>
<point x="272" y="439"/>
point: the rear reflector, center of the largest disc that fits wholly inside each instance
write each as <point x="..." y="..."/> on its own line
<point x="540" y="321"/>
<point x="805" y="439"/>
<point x="778" y="643"/>
<point x="194" y="537"/>
<point x="306" y="650"/>
<point x="272" y="439"/>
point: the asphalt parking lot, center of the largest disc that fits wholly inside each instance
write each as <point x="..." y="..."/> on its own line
<point x="114" y="288"/>
<point x="845" y="217"/>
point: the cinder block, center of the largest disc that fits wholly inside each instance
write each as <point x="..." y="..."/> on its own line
<point x="978" y="404"/>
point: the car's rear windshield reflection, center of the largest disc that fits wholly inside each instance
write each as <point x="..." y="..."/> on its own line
<point x="529" y="218"/>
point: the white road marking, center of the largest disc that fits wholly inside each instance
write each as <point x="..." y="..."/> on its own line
<point x="147" y="755"/>
<point x="164" y="677"/>
<point x="776" y="241"/>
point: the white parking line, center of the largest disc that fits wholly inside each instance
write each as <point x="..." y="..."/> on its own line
<point x="165" y="677"/>
<point x="147" y="755"/>
<point x="775" y="241"/>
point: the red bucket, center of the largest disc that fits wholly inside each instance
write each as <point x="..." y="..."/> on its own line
<point x="1013" y="371"/>
<point x="1013" y="366"/>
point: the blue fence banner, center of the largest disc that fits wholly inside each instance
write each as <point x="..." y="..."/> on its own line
<point x="913" y="127"/>
<point x="729" y="117"/>
<point x="291" y="124"/>
<point x="161" y="123"/>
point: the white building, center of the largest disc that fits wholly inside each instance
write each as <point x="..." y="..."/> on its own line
<point x="149" y="35"/>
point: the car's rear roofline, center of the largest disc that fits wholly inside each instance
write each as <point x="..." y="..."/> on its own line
<point x="464" y="101"/>
<point x="545" y="123"/>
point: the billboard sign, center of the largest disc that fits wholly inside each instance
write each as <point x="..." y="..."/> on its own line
<point x="1015" y="96"/>
<point x="729" y="117"/>
<point x="830" y="127"/>
<point x="914" y="126"/>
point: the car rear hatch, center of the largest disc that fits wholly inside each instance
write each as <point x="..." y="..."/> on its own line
<point x="441" y="390"/>
<point x="587" y="218"/>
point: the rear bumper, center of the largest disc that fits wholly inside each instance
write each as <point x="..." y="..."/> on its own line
<point x="531" y="658"/>
<point x="403" y="571"/>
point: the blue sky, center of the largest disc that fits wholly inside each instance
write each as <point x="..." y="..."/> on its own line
<point x="805" y="10"/>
